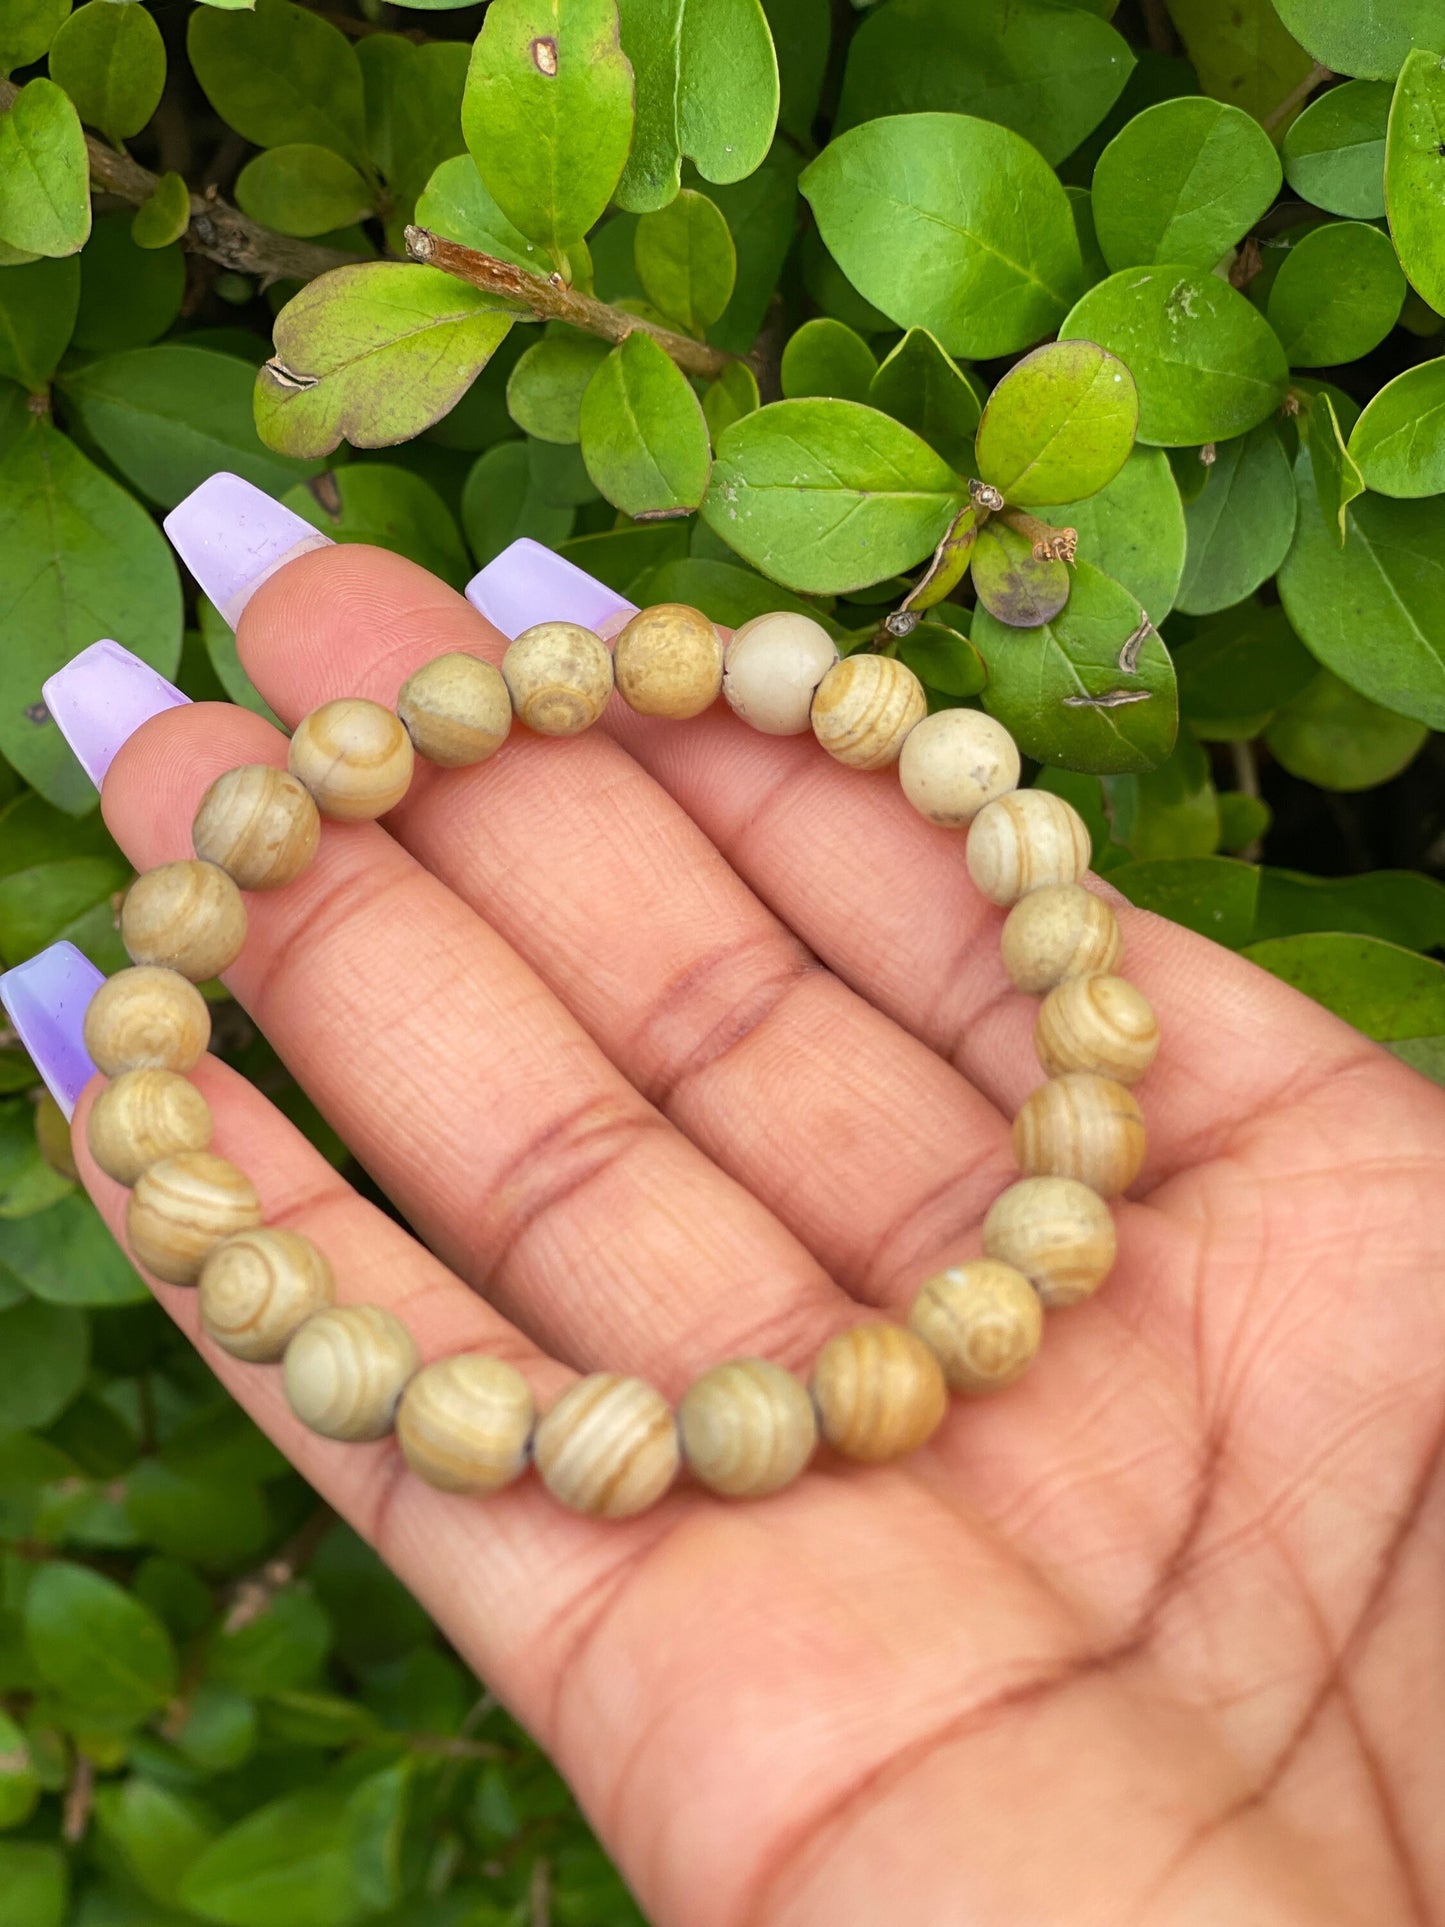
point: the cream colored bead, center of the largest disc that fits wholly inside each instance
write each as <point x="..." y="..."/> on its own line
<point x="1081" y="1126"/>
<point x="669" y="662"/>
<point x="259" y="1288"/>
<point x="354" y="757"/>
<point x="1098" y="1024"/>
<point x="145" y="1115"/>
<point x="182" y="1207"/>
<point x="456" y="710"/>
<point x="465" y="1423"/>
<point x="1057" y="1232"/>
<point x="1059" y="931"/>
<point x="185" y="916"/>
<point x="1021" y="842"/>
<point x="748" y="1428"/>
<point x="954" y="762"/>
<point x="982" y="1321"/>
<point x="879" y="1391"/>
<point x="259" y="824"/>
<point x="772" y="669"/>
<point x="345" y="1370"/>
<point x="608" y="1447"/>
<point x="145" y="1019"/>
<point x="864" y="709"/>
<point x="560" y="677"/>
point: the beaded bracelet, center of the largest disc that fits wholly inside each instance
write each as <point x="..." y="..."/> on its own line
<point x="611" y="1446"/>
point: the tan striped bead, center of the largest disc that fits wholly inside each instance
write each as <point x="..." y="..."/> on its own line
<point x="465" y="1423"/>
<point x="1023" y="841"/>
<point x="258" y="1289"/>
<point x="181" y="1209"/>
<point x="1097" y="1023"/>
<point x="1057" y="1232"/>
<point x="1081" y="1126"/>
<point x="864" y="708"/>
<point x="186" y="916"/>
<point x="259" y="824"/>
<point x="345" y="1371"/>
<point x="144" y="1019"/>
<point x="748" y="1428"/>
<point x="145" y="1115"/>
<point x="1057" y="932"/>
<point x="982" y="1321"/>
<point x="559" y="676"/>
<point x="669" y="662"/>
<point x="879" y="1391"/>
<point x="456" y="709"/>
<point x="608" y="1447"/>
<point x="354" y="757"/>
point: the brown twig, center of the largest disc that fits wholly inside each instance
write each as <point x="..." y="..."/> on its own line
<point x="552" y="300"/>
<point x="1296" y="97"/>
<point x="1049" y="544"/>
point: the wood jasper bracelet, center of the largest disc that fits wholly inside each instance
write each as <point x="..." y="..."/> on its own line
<point x="611" y="1445"/>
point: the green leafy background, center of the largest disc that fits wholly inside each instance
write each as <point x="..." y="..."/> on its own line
<point x="1170" y="278"/>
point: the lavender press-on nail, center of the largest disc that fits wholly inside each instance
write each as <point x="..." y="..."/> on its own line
<point x="233" y="537"/>
<point x="101" y="697"/>
<point x="46" y="1000"/>
<point x="528" y="583"/>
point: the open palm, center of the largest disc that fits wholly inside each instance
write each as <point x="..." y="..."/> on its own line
<point x="678" y="1043"/>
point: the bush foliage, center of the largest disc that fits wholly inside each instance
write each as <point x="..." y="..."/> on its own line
<point x="1084" y="356"/>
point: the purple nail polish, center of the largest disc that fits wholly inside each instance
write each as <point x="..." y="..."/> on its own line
<point x="101" y="697"/>
<point x="527" y="583"/>
<point x="233" y="537"/>
<point x="46" y="1000"/>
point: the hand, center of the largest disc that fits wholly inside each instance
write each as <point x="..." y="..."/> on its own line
<point x="678" y="1043"/>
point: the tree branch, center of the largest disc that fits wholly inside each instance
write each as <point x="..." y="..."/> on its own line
<point x="552" y="300"/>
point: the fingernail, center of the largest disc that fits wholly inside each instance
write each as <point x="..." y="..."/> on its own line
<point x="233" y="537"/>
<point x="101" y="697"/>
<point x="528" y="583"/>
<point x="46" y="1000"/>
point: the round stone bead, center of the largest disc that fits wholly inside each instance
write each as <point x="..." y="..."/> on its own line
<point x="559" y="676"/>
<point x="145" y="1115"/>
<point x="669" y="662"/>
<point x="1057" y="932"/>
<point x="879" y="1391"/>
<point x="456" y="710"/>
<point x="1021" y="842"/>
<point x="1057" y="1232"/>
<point x="1081" y="1126"/>
<point x="608" y="1447"/>
<point x="1098" y="1024"/>
<point x="954" y="762"/>
<point x="345" y="1371"/>
<point x="182" y="1207"/>
<point x="982" y="1321"/>
<point x="748" y="1428"/>
<point x="185" y="916"/>
<point x="258" y="1288"/>
<point x="772" y="669"/>
<point x="465" y="1423"/>
<point x="146" y="1019"/>
<point x="354" y="757"/>
<point x="259" y="824"/>
<point x="864" y="709"/>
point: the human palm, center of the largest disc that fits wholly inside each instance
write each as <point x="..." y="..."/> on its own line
<point x="677" y="1043"/>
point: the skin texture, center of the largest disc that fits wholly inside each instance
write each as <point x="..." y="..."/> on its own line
<point x="1155" y="1635"/>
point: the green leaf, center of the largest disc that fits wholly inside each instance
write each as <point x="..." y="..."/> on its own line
<point x="27" y="28"/>
<point x="558" y="475"/>
<point x="1395" y="996"/>
<point x="1171" y="811"/>
<point x="34" y="1882"/>
<point x="44" y="172"/>
<point x="171" y="415"/>
<point x="37" y="317"/>
<point x="944" y="659"/>
<point x="47" y="1349"/>
<point x="389" y="508"/>
<point x="707" y="88"/>
<point x="1211" y="894"/>
<point x="1399" y="905"/>
<point x="1241" y="53"/>
<point x="1338" y="740"/>
<point x="19" y="1787"/>
<point x="1369" y="37"/>
<point x="920" y="385"/>
<point x="1334" y="154"/>
<point x="373" y="353"/>
<point x="67" y="1256"/>
<point x="1374" y="611"/>
<point x="164" y="215"/>
<point x="1033" y="673"/>
<point x="626" y="558"/>
<point x="950" y="224"/>
<point x="157" y="1832"/>
<point x="1240" y="524"/>
<point x="97" y="1645"/>
<point x="800" y="30"/>
<point x="761" y="213"/>
<point x="213" y="1522"/>
<point x="733" y="395"/>
<point x="686" y="260"/>
<point x="27" y="1183"/>
<point x="219" y="1728"/>
<point x="1059" y="425"/>
<point x="1133" y="530"/>
<point x="1414" y="174"/>
<point x="825" y="357"/>
<point x="280" y="74"/>
<point x="282" y="1647"/>
<point x="729" y="594"/>
<point x="1338" y="480"/>
<point x="1238" y="669"/>
<point x="548" y="113"/>
<point x="1181" y="183"/>
<point x="1012" y="584"/>
<point x="1207" y="364"/>
<point x="129" y="294"/>
<point x="499" y="504"/>
<point x="299" y="189"/>
<point x="79" y="558"/>
<point x="376" y="1826"/>
<point x="289" y="1860"/>
<point x="413" y="114"/>
<point x="455" y="203"/>
<point x="644" y="438"/>
<point x="1399" y="441"/>
<point x="1049" y="73"/>
<point x="827" y="496"/>
<point x="110" y="58"/>
<point x="545" y="389"/>
<point x="1337" y="294"/>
